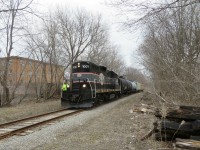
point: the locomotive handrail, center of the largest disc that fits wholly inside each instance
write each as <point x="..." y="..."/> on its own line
<point x="90" y="87"/>
<point x="95" y="81"/>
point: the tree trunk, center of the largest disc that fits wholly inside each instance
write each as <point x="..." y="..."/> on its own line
<point x="5" y="96"/>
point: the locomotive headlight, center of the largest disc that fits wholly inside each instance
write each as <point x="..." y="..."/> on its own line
<point x="84" y="85"/>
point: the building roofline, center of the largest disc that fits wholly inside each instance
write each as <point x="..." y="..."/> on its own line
<point x="33" y="60"/>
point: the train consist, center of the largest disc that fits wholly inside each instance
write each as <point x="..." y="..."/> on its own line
<point x="92" y="84"/>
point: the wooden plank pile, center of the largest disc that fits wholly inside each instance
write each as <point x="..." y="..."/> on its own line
<point x="182" y="125"/>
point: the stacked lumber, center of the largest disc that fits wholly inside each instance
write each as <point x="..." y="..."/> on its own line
<point x="187" y="143"/>
<point x="182" y="125"/>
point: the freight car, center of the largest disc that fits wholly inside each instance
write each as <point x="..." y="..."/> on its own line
<point x="92" y="84"/>
<point x="139" y="87"/>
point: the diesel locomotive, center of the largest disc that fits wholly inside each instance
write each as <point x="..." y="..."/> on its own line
<point x="92" y="84"/>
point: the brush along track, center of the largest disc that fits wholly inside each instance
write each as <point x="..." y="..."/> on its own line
<point x="18" y="126"/>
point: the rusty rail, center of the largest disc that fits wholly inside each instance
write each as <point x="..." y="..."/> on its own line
<point x="12" y="131"/>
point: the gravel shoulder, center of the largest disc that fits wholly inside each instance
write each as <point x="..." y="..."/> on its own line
<point x="108" y="127"/>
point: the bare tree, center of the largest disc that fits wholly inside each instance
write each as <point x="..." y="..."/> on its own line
<point x="53" y="52"/>
<point x="18" y="6"/>
<point x="45" y="48"/>
<point x="12" y="13"/>
<point x="99" y="50"/>
<point x="171" y="53"/>
<point x="63" y="38"/>
<point x="114" y="61"/>
<point x="135" y="13"/>
<point x="107" y="55"/>
<point x="78" y="30"/>
<point x="135" y="75"/>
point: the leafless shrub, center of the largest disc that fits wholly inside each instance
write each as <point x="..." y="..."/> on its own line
<point x="171" y="53"/>
<point x="12" y="18"/>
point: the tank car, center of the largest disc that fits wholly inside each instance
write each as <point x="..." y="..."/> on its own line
<point x="126" y="85"/>
<point x="134" y="87"/>
<point x="139" y="87"/>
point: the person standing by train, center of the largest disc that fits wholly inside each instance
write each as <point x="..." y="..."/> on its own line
<point x="65" y="88"/>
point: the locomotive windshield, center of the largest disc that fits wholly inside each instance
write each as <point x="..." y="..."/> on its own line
<point x="81" y="77"/>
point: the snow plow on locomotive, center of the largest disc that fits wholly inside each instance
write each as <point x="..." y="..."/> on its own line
<point x="92" y="84"/>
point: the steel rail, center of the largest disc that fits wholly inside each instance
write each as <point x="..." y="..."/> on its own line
<point x="32" y="117"/>
<point x="17" y="131"/>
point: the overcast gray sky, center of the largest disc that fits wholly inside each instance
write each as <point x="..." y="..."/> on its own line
<point x="127" y="42"/>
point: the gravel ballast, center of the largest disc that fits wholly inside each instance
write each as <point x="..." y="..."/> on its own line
<point x="108" y="127"/>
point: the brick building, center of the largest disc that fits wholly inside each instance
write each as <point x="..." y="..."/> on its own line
<point x="23" y="72"/>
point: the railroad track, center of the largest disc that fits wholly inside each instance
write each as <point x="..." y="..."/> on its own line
<point x="22" y="125"/>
